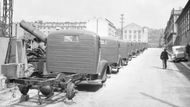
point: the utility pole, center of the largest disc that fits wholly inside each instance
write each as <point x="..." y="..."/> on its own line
<point x="97" y="25"/>
<point x="122" y="21"/>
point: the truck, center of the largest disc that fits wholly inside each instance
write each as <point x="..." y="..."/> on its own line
<point x="110" y="52"/>
<point x="72" y="58"/>
<point x="178" y="53"/>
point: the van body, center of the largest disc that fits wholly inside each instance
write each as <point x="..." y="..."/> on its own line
<point x="76" y="51"/>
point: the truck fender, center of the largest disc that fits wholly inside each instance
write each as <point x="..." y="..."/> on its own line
<point x="102" y="65"/>
<point x="119" y="60"/>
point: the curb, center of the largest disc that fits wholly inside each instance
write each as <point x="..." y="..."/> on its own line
<point x="185" y="65"/>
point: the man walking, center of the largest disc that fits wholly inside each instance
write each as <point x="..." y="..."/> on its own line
<point x="164" y="58"/>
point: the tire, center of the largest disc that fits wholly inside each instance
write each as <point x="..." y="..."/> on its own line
<point x="70" y="91"/>
<point x="124" y="62"/>
<point x="104" y="78"/>
<point x="23" y="89"/>
<point x="24" y="98"/>
<point x="109" y="70"/>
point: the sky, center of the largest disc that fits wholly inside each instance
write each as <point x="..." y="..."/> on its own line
<point x="149" y="13"/>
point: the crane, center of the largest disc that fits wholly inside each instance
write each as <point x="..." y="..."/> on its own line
<point x="7" y="21"/>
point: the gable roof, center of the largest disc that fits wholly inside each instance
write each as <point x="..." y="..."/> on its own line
<point x="132" y="26"/>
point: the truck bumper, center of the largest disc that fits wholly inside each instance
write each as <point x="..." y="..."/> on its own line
<point x="91" y="82"/>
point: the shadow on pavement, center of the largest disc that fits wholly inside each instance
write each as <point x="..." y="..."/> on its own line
<point x="157" y="67"/>
<point x="160" y="100"/>
<point x="56" y="98"/>
<point x="183" y="70"/>
<point x="164" y="69"/>
<point x="89" y="88"/>
<point x="33" y="101"/>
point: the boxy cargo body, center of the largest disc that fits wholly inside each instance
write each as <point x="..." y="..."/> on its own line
<point x="78" y="52"/>
<point x="109" y="49"/>
<point x="72" y="52"/>
<point x="123" y="49"/>
<point x="134" y="47"/>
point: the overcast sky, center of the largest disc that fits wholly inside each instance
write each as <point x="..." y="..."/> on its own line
<point x="150" y="13"/>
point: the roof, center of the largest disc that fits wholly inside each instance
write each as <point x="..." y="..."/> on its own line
<point x="175" y="47"/>
<point x="108" y="37"/>
<point x="83" y="32"/>
<point x="132" y="26"/>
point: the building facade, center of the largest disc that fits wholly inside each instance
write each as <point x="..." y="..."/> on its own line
<point x="170" y="32"/>
<point x="183" y="26"/>
<point x="135" y="33"/>
<point x="47" y="27"/>
<point x="101" y="26"/>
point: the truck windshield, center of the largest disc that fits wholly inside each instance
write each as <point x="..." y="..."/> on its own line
<point x="180" y="49"/>
<point x="70" y="38"/>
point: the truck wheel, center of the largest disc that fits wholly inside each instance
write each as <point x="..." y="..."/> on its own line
<point x="47" y="91"/>
<point x="23" y="89"/>
<point x="109" y="70"/>
<point x="24" y="98"/>
<point x="123" y="62"/>
<point x="70" y="90"/>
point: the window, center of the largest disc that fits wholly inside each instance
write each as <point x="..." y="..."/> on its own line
<point x="134" y="37"/>
<point x="129" y="37"/>
<point x="73" y="38"/>
<point x="103" y="42"/>
<point x="125" y="36"/>
<point x="139" y="32"/>
<point x="139" y="37"/>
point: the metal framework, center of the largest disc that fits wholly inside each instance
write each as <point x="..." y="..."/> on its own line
<point x="7" y="18"/>
<point x="7" y="25"/>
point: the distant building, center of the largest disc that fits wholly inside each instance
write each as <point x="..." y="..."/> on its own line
<point x="135" y="33"/>
<point x="101" y="26"/>
<point x="47" y="27"/>
<point x="183" y="26"/>
<point x="170" y="32"/>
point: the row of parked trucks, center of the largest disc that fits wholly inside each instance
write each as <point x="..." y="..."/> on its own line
<point x="76" y="57"/>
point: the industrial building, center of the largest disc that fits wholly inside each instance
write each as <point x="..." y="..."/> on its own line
<point x="102" y="27"/>
<point x="47" y="27"/>
<point x="183" y="26"/>
<point x="170" y="32"/>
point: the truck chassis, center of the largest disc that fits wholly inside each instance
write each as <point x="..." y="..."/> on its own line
<point x="48" y="84"/>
